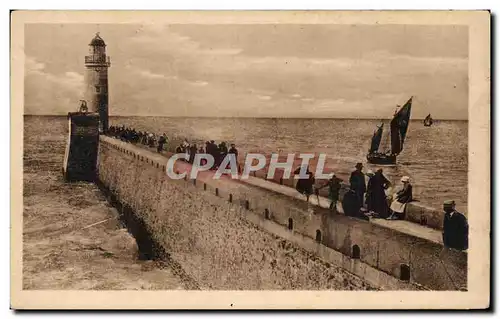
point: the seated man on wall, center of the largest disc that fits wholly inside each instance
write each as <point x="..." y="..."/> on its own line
<point x="455" y="227"/>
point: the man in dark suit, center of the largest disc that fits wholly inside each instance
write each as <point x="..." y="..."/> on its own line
<point x="455" y="227"/>
<point x="358" y="184"/>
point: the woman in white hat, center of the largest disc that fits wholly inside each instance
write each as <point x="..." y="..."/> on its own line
<point x="402" y="198"/>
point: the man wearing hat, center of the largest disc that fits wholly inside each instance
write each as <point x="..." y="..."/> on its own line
<point x="403" y="196"/>
<point x="358" y="184"/>
<point x="455" y="227"/>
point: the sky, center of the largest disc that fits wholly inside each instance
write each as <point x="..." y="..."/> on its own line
<point x="266" y="70"/>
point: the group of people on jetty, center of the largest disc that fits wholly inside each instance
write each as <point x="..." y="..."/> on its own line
<point x="131" y="135"/>
<point x="161" y="142"/>
<point x="362" y="199"/>
<point x="366" y="196"/>
<point x="372" y="194"/>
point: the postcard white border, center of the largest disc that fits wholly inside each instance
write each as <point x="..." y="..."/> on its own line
<point x="477" y="295"/>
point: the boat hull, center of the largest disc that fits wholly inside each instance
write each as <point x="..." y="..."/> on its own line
<point x="381" y="159"/>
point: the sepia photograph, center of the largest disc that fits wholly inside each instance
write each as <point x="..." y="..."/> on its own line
<point x="292" y="159"/>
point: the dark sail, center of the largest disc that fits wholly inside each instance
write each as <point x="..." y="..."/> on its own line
<point x="377" y="137"/>
<point x="399" y="127"/>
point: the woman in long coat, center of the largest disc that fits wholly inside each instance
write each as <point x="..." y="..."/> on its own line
<point x="305" y="185"/>
<point x="377" y="201"/>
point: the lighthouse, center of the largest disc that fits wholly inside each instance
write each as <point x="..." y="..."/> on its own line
<point x="96" y="80"/>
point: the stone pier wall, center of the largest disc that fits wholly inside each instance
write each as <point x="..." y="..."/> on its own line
<point x="228" y="237"/>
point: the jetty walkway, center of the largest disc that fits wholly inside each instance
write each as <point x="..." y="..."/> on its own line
<point x="252" y="183"/>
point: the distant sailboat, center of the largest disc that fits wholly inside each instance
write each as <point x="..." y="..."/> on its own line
<point x="398" y="128"/>
<point x="428" y="120"/>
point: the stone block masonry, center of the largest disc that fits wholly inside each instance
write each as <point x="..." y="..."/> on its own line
<point x="227" y="235"/>
<point x="210" y="239"/>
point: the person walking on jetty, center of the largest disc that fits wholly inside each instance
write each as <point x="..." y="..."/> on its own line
<point x="192" y="153"/>
<point x="213" y="150"/>
<point x="234" y="151"/>
<point x="152" y="140"/>
<point x="404" y="196"/>
<point x="376" y="198"/>
<point x="309" y="185"/>
<point x="179" y="149"/>
<point x="161" y="141"/>
<point x="305" y="185"/>
<point x="455" y="227"/>
<point x="165" y="137"/>
<point x="185" y="144"/>
<point x="334" y="187"/>
<point x="222" y="152"/>
<point x="358" y="184"/>
<point x="203" y="161"/>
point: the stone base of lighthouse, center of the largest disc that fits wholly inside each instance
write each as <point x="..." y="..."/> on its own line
<point x="80" y="158"/>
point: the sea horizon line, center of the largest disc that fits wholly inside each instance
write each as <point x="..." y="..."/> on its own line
<point x="259" y="117"/>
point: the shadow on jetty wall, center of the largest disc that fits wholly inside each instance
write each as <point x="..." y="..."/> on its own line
<point x="148" y="247"/>
<point x="210" y="230"/>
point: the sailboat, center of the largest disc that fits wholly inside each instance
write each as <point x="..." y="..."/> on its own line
<point x="397" y="134"/>
<point x="428" y="120"/>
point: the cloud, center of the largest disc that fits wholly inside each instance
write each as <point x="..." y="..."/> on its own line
<point x="172" y="41"/>
<point x="157" y="76"/>
<point x="221" y="51"/>
<point x="72" y="80"/>
<point x="199" y="83"/>
<point x="150" y="75"/>
<point x="31" y="66"/>
<point x="186" y="70"/>
<point x="59" y="92"/>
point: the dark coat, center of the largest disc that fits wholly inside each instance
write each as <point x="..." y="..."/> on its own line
<point x="334" y="187"/>
<point x="357" y="181"/>
<point x="192" y="153"/>
<point x="161" y="141"/>
<point x="223" y="149"/>
<point x="350" y="203"/>
<point x="376" y="199"/>
<point x="455" y="231"/>
<point x="234" y="151"/>
<point x="305" y="186"/>
<point x="405" y="195"/>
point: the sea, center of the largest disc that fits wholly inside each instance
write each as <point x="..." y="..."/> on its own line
<point x="435" y="157"/>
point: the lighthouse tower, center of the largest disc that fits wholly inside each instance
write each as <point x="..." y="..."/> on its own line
<point x="96" y="80"/>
